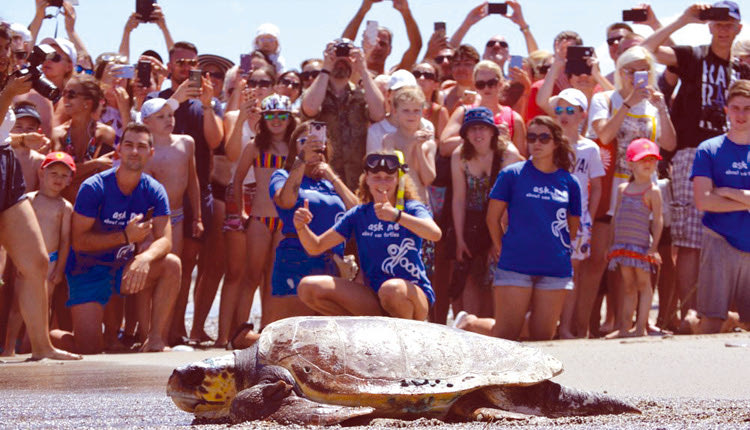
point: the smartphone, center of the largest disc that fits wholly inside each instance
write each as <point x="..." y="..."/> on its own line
<point x="469" y="97"/>
<point x="195" y="77"/>
<point x="371" y="32"/>
<point x="246" y="63"/>
<point x="55" y="3"/>
<point x="124" y="71"/>
<point x="714" y="14"/>
<point x="144" y="73"/>
<point x="144" y="8"/>
<point x="576" y="60"/>
<point x="440" y="26"/>
<point x="635" y="15"/>
<point x="640" y="79"/>
<point x="516" y="61"/>
<point x="318" y="130"/>
<point x="497" y="8"/>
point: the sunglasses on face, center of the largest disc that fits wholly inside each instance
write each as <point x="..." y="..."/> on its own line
<point x="187" y="61"/>
<point x="570" y="110"/>
<point x="427" y="75"/>
<point x="283" y="116"/>
<point x="289" y="83"/>
<point x="263" y="83"/>
<point x="309" y="75"/>
<point x="216" y="75"/>
<point x="70" y="94"/>
<point x="493" y="43"/>
<point x="543" y="69"/>
<point x="440" y="59"/>
<point x="55" y="58"/>
<point x="543" y="138"/>
<point x="612" y="40"/>
<point x="81" y="69"/>
<point x="20" y="55"/>
<point x="492" y="83"/>
<point x="382" y="163"/>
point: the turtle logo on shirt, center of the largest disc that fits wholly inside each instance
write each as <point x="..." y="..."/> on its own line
<point x="397" y="258"/>
<point x="560" y="225"/>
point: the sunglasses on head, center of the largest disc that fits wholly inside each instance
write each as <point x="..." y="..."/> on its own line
<point x="440" y="59"/>
<point x="81" y="69"/>
<point x="263" y="83"/>
<point x="309" y="75"/>
<point x="570" y="110"/>
<point x="493" y="43"/>
<point x="492" y="83"/>
<point x="612" y="40"/>
<point x="289" y="83"/>
<point x="543" y="138"/>
<point x="383" y="163"/>
<point x="427" y="75"/>
<point x="187" y="61"/>
<point x="283" y="116"/>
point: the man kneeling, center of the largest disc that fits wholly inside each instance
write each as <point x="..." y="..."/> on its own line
<point x="115" y="211"/>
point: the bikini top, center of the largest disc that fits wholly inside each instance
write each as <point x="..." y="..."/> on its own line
<point x="92" y="149"/>
<point x="269" y="161"/>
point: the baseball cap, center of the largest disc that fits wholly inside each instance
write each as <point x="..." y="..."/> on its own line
<point x="477" y="115"/>
<point x="27" y="110"/>
<point x="65" y="45"/>
<point x="401" y="78"/>
<point x="21" y="31"/>
<point x="59" y="157"/>
<point x="642" y="148"/>
<point x="573" y="96"/>
<point x="734" y="10"/>
<point x="151" y="107"/>
<point x="276" y="103"/>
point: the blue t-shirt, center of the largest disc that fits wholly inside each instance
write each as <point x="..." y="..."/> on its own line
<point x="386" y="249"/>
<point x="326" y="206"/>
<point x="100" y="198"/>
<point x="537" y="242"/>
<point x="728" y="165"/>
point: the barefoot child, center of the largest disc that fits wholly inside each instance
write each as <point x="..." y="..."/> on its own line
<point x="53" y="214"/>
<point x="28" y="143"/>
<point x="634" y="250"/>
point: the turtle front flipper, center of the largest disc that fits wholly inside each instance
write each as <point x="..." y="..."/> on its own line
<point x="277" y="402"/>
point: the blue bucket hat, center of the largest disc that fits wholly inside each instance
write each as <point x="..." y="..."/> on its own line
<point x="478" y="115"/>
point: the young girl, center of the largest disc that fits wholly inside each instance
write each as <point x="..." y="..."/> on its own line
<point x="633" y="249"/>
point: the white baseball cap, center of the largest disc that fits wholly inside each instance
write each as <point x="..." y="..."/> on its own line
<point x="573" y="96"/>
<point x="401" y="78"/>
<point x="65" y="45"/>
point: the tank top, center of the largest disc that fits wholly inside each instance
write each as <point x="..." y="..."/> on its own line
<point x="477" y="190"/>
<point x="632" y="221"/>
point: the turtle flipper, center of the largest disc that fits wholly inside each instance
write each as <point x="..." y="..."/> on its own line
<point x="278" y="402"/>
<point x="551" y="399"/>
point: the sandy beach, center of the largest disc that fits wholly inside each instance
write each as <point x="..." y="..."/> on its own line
<point x="678" y="382"/>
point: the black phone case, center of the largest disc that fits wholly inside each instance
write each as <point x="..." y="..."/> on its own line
<point x="497" y="8"/>
<point x="635" y="15"/>
<point x="714" y="14"/>
<point x="576" y="62"/>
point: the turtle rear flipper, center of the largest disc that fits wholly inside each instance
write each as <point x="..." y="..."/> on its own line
<point x="551" y="399"/>
<point x="278" y="402"/>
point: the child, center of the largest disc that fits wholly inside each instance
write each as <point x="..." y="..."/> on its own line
<point x="29" y="143"/>
<point x="53" y="214"/>
<point x="633" y="249"/>
<point x="570" y="108"/>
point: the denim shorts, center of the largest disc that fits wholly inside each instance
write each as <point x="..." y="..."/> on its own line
<point x="510" y="278"/>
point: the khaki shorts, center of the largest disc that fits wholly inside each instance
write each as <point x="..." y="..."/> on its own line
<point x="723" y="278"/>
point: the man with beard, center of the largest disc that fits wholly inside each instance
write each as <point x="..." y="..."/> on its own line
<point x="346" y="109"/>
<point x="378" y="50"/>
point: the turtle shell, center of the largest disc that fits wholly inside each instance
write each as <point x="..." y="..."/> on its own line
<point x="395" y="364"/>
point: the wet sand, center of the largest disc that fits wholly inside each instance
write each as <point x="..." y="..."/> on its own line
<point x="678" y="382"/>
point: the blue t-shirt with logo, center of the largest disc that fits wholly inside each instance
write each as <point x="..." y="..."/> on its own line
<point x="727" y="164"/>
<point x="537" y="241"/>
<point x="100" y="198"/>
<point x="326" y="206"/>
<point x="386" y="249"/>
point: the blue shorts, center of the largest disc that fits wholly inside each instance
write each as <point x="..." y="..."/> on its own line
<point x="292" y="264"/>
<point x="97" y="284"/>
<point x="510" y="278"/>
<point x="427" y="289"/>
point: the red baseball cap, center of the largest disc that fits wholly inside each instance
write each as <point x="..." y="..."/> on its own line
<point x="641" y="148"/>
<point x="59" y="157"/>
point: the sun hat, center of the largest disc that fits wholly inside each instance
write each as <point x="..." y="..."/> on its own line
<point x="477" y="115"/>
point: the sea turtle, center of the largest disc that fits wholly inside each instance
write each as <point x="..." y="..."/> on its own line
<point x="328" y="370"/>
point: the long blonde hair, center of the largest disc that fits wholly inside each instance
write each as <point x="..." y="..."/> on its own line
<point x="631" y="55"/>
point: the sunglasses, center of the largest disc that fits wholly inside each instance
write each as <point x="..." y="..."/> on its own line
<point x="427" y="75"/>
<point x="263" y="83"/>
<point x="55" y="58"/>
<point x="187" y="61"/>
<point x="492" y="83"/>
<point x="612" y="40"/>
<point x="543" y="138"/>
<point x="20" y="55"/>
<point x="383" y="163"/>
<point x="70" y="94"/>
<point x="493" y="43"/>
<point x="81" y="69"/>
<point x="289" y="83"/>
<point x="283" y="116"/>
<point x="310" y="75"/>
<point x="543" y="68"/>
<point x="440" y="59"/>
<point x="216" y="75"/>
<point x="570" y="110"/>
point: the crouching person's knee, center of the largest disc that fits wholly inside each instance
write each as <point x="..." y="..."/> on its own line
<point x="392" y="292"/>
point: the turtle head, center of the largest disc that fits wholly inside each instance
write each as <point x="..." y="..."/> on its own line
<point x="207" y="388"/>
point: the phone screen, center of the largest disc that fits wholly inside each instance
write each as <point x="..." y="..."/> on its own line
<point x="516" y="61"/>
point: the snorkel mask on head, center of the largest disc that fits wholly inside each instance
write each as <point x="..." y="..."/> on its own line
<point x="390" y="163"/>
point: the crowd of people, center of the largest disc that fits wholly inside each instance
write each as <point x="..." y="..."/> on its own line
<point x="519" y="193"/>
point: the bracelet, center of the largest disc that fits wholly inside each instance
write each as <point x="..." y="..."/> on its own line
<point x="627" y="105"/>
<point x="127" y="239"/>
<point x="325" y="72"/>
<point x="525" y="28"/>
<point x="398" y="215"/>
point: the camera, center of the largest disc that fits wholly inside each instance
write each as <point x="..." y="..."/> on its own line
<point x="713" y="118"/>
<point x="343" y="48"/>
<point x="40" y="84"/>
